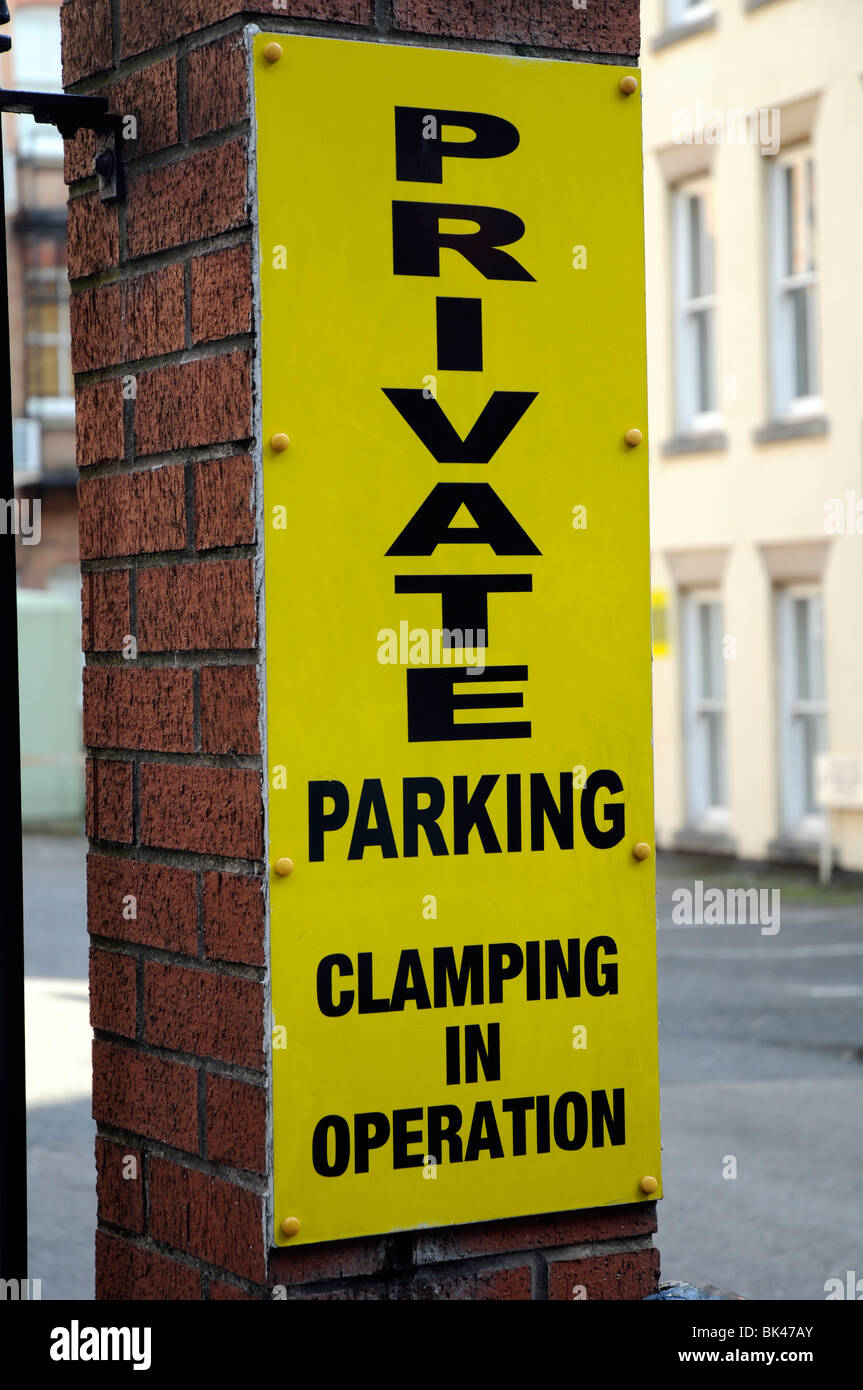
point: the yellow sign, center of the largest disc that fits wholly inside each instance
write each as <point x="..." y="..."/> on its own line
<point x="659" y="614"/>
<point x="457" y="636"/>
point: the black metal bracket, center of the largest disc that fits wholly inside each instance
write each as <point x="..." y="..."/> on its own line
<point x="71" y="114"/>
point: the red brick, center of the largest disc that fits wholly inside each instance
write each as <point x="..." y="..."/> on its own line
<point x="509" y="1285"/>
<point x="534" y="1232"/>
<point x="602" y="26"/>
<point x="343" y="1259"/>
<point x="237" y="1124"/>
<point x="176" y="17"/>
<point x="165" y="903"/>
<point x="206" y="1217"/>
<point x="229" y="710"/>
<point x="143" y="316"/>
<point x="234" y="918"/>
<point x="79" y="151"/>
<point x="99" y="433"/>
<point x="347" y="1293"/>
<point x="189" y="1010"/>
<point x="150" y="95"/>
<point x="347" y="1259"/>
<point x="207" y="810"/>
<point x="96" y="317"/>
<point x="216" y="89"/>
<point x="112" y="992"/>
<point x="146" y="27"/>
<point x="221" y="284"/>
<point x="337" y="1259"/>
<point x="221" y="1292"/>
<point x="145" y="1095"/>
<point x="192" y="198"/>
<point x="93" y="235"/>
<point x="197" y="607"/>
<point x="193" y="403"/>
<point x="627" y="1276"/>
<point x="129" y="708"/>
<point x="87" y="42"/>
<point x="126" y="1272"/>
<point x="105" y="612"/>
<point x="97" y="323"/>
<point x="120" y="1197"/>
<point x="224" y="502"/>
<point x="152" y="314"/>
<point x="501" y="1285"/>
<point x="132" y="513"/>
<point x="109" y="801"/>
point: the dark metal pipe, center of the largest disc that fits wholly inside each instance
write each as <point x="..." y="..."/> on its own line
<point x="13" y="1100"/>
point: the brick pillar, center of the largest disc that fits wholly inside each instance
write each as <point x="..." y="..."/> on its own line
<point x="163" y="346"/>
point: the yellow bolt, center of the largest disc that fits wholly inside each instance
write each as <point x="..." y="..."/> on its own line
<point x="647" y="1185"/>
<point x="283" y="867"/>
<point x="279" y="443"/>
<point x="291" y="1226"/>
<point x="628" y="85"/>
<point x="641" y="850"/>
<point x="633" y="437"/>
<point x="273" y="52"/>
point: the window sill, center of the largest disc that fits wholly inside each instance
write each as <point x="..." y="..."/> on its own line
<point x="678" y="32"/>
<point x="50" y="479"/>
<point x="46" y="156"/>
<point x="22" y="480"/>
<point x="708" y="441"/>
<point x="806" y="427"/>
<point x="691" y="840"/>
<point x="786" y="850"/>
<point x="756" y="4"/>
<point x="55" y="412"/>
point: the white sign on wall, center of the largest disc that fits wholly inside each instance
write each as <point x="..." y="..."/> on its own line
<point x="839" y="781"/>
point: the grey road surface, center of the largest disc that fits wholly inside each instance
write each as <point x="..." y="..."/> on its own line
<point x="761" y="1061"/>
<point x="60" y="1132"/>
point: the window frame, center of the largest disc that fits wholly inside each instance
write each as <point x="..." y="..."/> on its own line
<point x="39" y="341"/>
<point x="786" y="283"/>
<point x="690" y="418"/>
<point x="799" y="820"/>
<point x="703" y="812"/>
<point x="37" y="142"/>
<point x="682" y="12"/>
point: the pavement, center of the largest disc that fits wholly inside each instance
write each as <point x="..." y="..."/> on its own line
<point x="761" y="1062"/>
<point x="60" y="1132"/>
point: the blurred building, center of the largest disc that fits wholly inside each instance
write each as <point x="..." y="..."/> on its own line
<point x="42" y="388"/>
<point x="753" y="149"/>
<point x="43" y="410"/>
